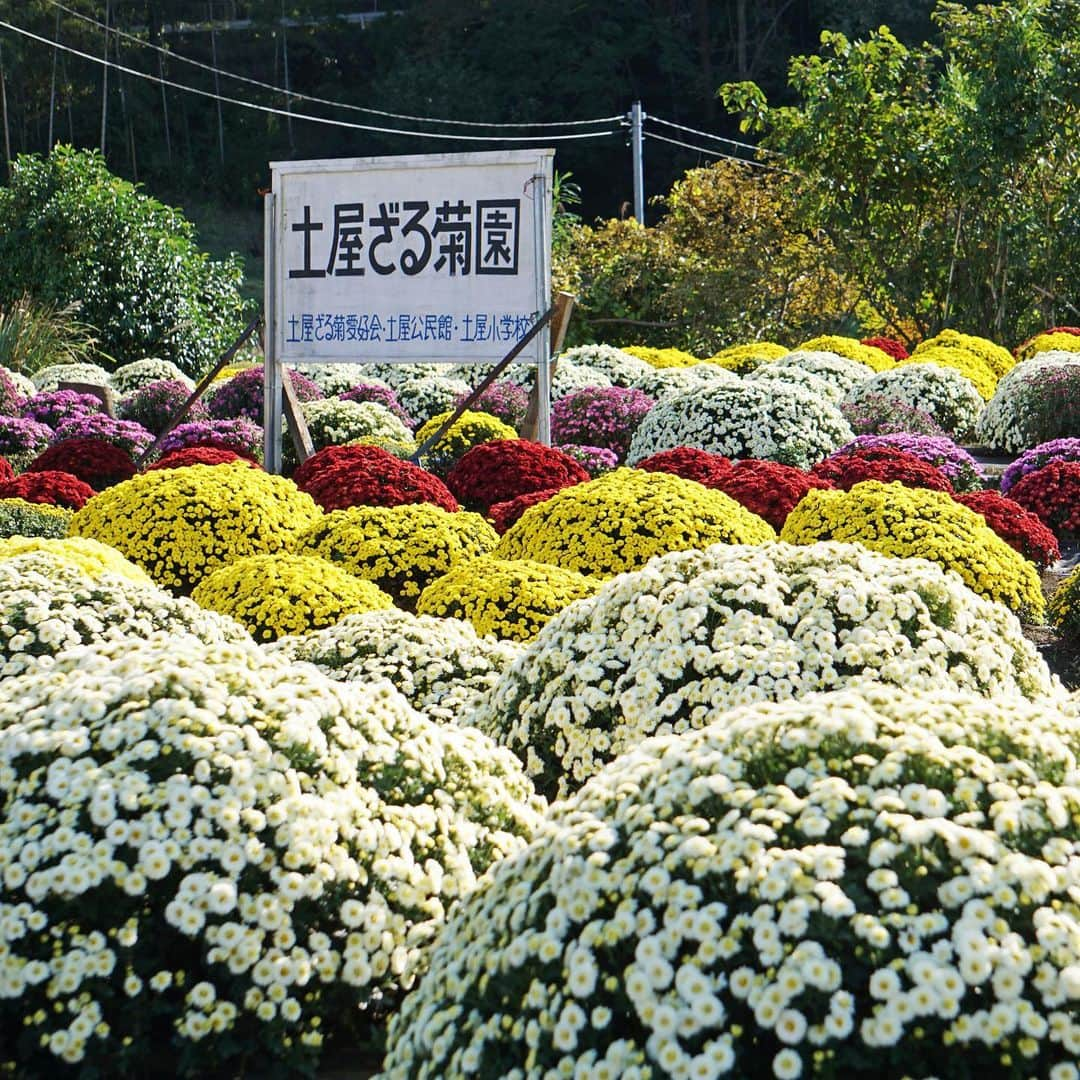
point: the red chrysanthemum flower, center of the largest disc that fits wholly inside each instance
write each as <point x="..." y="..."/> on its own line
<point x="690" y="463"/>
<point x="6" y="471"/>
<point x="96" y="462"/>
<point x="884" y="463"/>
<point x="502" y="515"/>
<point x="54" y="488"/>
<point x="200" y="455"/>
<point x="1053" y="494"/>
<point x="503" y="469"/>
<point x="768" y="488"/>
<point x="1019" y="528"/>
<point x="889" y="345"/>
<point x="338" y="477"/>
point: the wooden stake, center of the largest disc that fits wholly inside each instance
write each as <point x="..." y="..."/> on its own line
<point x="294" y="419"/>
<point x="564" y="307"/>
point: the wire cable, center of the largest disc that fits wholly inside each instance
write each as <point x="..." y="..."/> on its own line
<point x="325" y="120"/>
<point x="711" y="153"/>
<point x="718" y="138"/>
<point x="293" y="94"/>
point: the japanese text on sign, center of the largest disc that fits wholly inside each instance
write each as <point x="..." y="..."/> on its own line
<point x="405" y="326"/>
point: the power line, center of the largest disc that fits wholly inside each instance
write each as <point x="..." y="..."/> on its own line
<point x="718" y="138"/>
<point x="327" y="121"/>
<point x="711" y="153"/>
<point x="326" y="101"/>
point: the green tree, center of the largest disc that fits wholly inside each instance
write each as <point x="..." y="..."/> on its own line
<point x="945" y="175"/>
<point x="71" y="232"/>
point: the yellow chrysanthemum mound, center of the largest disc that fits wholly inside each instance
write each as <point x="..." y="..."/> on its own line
<point x="1062" y="341"/>
<point x="91" y="556"/>
<point x="402" y="549"/>
<point x="996" y="357"/>
<point x="469" y="430"/>
<point x="625" y="517"/>
<point x="917" y="523"/>
<point x="1064" y="607"/>
<point x="275" y="595"/>
<point x="968" y="363"/>
<point x="661" y="358"/>
<point x="182" y="524"/>
<point x="748" y="357"/>
<point x="852" y="348"/>
<point x="510" y="599"/>
<point x="18" y="517"/>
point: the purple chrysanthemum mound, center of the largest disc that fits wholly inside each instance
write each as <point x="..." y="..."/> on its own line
<point x="240" y="435"/>
<point x="605" y="416"/>
<point x="954" y="461"/>
<point x="242" y="395"/>
<point x="381" y="395"/>
<point x="126" y="434"/>
<point x="1034" y="459"/>
<point x="54" y="407"/>
<point x="156" y="404"/>
<point x="504" y="399"/>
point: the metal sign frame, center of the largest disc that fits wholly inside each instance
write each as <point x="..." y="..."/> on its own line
<point x="538" y="193"/>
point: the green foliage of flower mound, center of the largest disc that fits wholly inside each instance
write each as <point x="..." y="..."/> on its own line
<point x="182" y="524"/>
<point x="510" y="598"/>
<point x="442" y="666"/>
<point x="914" y="522"/>
<point x="671" y="646"/>
<point x="273" y="595"/>
<point x="849" y="884"/>
<point x="622" y="519"/>
<point x="402" y="549"/>
<point x="48" y="604"/>
<point x="21" y="518"/>
<point x="212" y="857"/>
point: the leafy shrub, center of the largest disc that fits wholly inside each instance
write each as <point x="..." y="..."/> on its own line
<point x="70" y="230"/>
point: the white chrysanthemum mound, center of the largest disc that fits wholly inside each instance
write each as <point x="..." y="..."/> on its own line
<point x="833" y="368"/>
<point x="671" y="646"/>
<point x="48" y="604"/>
<point x="396" y="375"/>
<point x="151" y="369"/>
<point x="622" y="368"/>
<point x="568" y="377"/>
<point x="1026" y="408"/>
<point x="333" y="422"/>
<point x="442" y="666"/>
<point x="664" y="383"/>
<point x="425" y="397"/>
<point x="775" y="422"/>
<point x="52" y="375"/>
<point x="943" y="392"/>
<point x="24" y="385"/>
<point x="792" y="375"/>
<point x="334" y="379"/>
<point x="883" y="886"/>
<point x="213" y="856"/>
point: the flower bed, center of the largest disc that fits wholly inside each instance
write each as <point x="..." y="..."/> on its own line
<point x="126" y="434"/>
<point x="182" y="524"/>
<point x="468" y="430"/>
<point x="94" y="461"/>
<point x="442" y="666"/>
<point x="1053" y="494"/>
<point x="621" y="520"/>
<point x="1019" y="528"/>
<point x="959" y="467"/>
<point x="946" y="395"/>
<point x="241" y="436"/>
<point x="400" y="548"/>
<point x="846" y="468"/>
<point x="503" y="469"/>
<point x="188" y="864"/>
<point x="21" y="518"/>
<point x="243" y="394"/>
<point x="155" y="405"/>
<point x="777" y="423"/>
<point x="673" y="645"/>
<point x="274" y="595"/>
<point x="1063" y="609"/>
<point x="1037" y="457"/>
<point x="509" y="599"/>
<point x="53" y="487"/>
<point x="21" y="440"/>
<point x="338" y="477"/>
<point x="605" y="416"/>
<point x="906" y="522"/>
<point x="1036" y="402"/>
<point x="828" y="886"/>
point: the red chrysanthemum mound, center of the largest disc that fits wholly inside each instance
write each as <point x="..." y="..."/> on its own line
<point x="503" y="469"/>
<point x="1053" y="494"/>
<point x="338" y="477"/>
<point x="889" y="345"/>
<point x="96" y="462"/>
<point x="690" y="463"/>
<point x="884" y="463"/>
<point x="200" y="455"/>
<point x="6" y="471"/>
<point x="768" y="488"/>
<point x="54" y="488"/>
<point x="502" y="515"/>
<point x="1019" y="528"/>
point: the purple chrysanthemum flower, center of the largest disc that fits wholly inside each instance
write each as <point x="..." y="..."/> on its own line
<point x="242" y="395"/>
<point x="126" y="434"/>
<point x="54" y="407"/>
<point x="593" y="459"/>
<point x="604" y="416"/>
<point x="1055" y="450"/>
<point x="241" y="435"/>
<point x="954" y="461"/>
<point x="504" y="399"/>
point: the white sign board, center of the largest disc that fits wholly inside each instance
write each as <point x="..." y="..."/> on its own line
<point x="442" y="257"/>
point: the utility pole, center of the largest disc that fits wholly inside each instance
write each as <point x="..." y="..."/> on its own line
<point x="52" y="88"/>
<point x="637" y="117"/>
<point x="217" y="87"/>
<point x="105" y="80"/>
